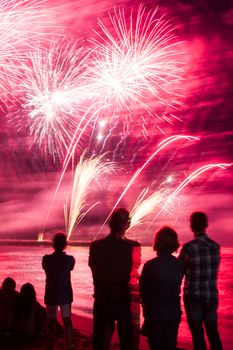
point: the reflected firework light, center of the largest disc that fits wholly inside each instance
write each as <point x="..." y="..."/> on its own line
<point x="137" y="59"/>
<point x="52" y="95"/>
<point x="22" y="26"/>
<point x="86" y="171"/>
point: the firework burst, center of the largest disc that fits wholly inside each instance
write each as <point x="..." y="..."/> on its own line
<point x="52" y="99"/>
<point x="22" y="26"/>
<point x="137" y="61"/>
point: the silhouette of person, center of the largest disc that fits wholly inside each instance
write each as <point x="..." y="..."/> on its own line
<point x="159" y="285"/>
<point x="8" y="299"/>
<point x="30" y="317"/>
<point x="201" y="258"/>
<point x="113" y="261"/>
<point x="58" y="289"/>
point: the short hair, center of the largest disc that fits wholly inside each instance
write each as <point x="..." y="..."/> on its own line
<point x="118" y="219"/>
<point x="59" y="241"/>
<point x="198" y="221"/>
<point x="9" y="284"/>
<point x="166" y="240"/>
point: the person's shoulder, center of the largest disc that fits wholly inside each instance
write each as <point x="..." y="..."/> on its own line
<point x="69" y="257"/>
<point x="132" y="242"/>
<point x="47" y="257"/>
<point x="174" y="258"/>
<point x="151" y="263"/>
<point x="213" y="242"/>
<point x="189" y="245"/>
<point x="176" y="261"/>
<point x="98" y="242"/>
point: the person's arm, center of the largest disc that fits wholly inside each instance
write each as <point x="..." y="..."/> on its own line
<point x="44" y="262"/>
<point x="144" y="284"/>
<point x="91" y="256"/>
<point x="219" y="254"/>
<point x="184" y="256"/>
<point x="72" y="263"/>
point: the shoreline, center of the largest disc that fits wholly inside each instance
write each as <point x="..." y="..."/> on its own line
<point x="34" y="242"/>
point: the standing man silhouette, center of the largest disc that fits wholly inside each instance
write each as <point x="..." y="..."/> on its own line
<point x="113" y="261"/>
<point x="201" y="258"/>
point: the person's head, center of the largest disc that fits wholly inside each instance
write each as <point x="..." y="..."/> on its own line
<point x="198" y="222"/>
<point x="166" y="240"/>
<point x="27" y="292"/>
<point x="9" y="284"/>
<point x="27" y="298"/>
<point x="59" y="242"/>
<point x="119" y="221"/>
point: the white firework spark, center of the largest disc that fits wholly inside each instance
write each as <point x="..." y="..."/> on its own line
<point x="138" y="61"/>
<point x="86" y="171"/>
<point x="53" y="95"/>
<point x="23" y="24"/>
<point x="144" y="206"/>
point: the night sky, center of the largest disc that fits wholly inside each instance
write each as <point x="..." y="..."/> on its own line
<point x="29" y="174"/>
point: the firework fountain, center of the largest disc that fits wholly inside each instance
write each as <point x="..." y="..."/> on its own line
<point x="146" y="205"/>
<point x="86" y="171"/>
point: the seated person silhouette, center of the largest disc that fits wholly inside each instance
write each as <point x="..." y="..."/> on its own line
<point x="30" y="317"/>
<point x="8" y="299"/>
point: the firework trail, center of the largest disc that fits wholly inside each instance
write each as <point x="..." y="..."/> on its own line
<point x="86" y="171"/>
<point x="80" y="130"/>
<point x="22" y="26"/>
<point x="88" y="118"/>
<point x="144" y="206"/>
<point x="53" y="90"/>
<point x="188" y="179"/>
<point x="161" y="146"/>
<point x="136" y="59"/>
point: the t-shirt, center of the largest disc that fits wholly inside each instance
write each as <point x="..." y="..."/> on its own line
<point x="58" y="289"/>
